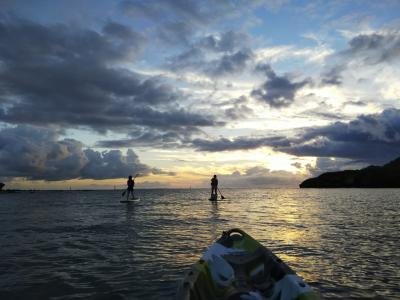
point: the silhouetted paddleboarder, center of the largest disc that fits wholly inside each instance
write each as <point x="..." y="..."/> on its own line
<point x="215" y="189"/>
<point x="131" y="184"/>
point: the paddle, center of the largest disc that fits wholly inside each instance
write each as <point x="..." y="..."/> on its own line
<point x="222" y="196"/>
<point x="124" y="192"/>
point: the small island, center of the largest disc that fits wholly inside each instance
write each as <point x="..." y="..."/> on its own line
<point x="387" y="176"/>
<point x="5" y="191"/>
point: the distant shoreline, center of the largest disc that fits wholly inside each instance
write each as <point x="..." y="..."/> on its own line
<point x="386" y="176"/>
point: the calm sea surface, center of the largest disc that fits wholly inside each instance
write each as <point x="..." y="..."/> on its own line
<point x="88" y="245"/>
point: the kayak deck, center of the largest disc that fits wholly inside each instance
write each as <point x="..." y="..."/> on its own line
<point x="238" y="267"/>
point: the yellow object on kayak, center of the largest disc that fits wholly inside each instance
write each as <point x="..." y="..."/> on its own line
<point x="238" y="267"/>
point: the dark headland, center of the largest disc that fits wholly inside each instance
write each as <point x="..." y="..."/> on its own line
<point x="387" y="176"/>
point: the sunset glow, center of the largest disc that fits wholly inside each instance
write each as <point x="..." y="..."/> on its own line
<point x="262" y="93"/>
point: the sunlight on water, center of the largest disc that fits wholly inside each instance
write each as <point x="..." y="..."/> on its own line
<point x="78" y="245"/>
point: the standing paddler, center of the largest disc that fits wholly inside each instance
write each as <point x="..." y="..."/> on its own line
<point x="214" y="187"/>
<point x="131" y="185"/>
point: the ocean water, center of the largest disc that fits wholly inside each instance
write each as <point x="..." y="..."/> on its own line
<point x="88" y="245"/>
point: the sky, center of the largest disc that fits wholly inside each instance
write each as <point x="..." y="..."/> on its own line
<point x="262" y="93"/>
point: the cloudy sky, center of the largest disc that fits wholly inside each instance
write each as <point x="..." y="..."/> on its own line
<point x="262" y="93"/>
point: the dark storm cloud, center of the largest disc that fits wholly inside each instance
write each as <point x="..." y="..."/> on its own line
<point x="64" y="75"/>
<point x="371" y="138"/>
<point x="277" y="91"/>
<point x="179" y="21"/>
<point x="364" y="49"/>
<point x="196" y="12"/>
<point x="355" y="103"/>
<point x="111" y="164"/>
<point x="215" y="55"/>
<point x="28" y="42"/>
<point x="159" y="138"/>
<point x="175" y="21"/>
<point x="122" y="33"/>
<point x="231" y="63"/>
<point x="327" y="164"/>
<point x="116" y="143"/>
<point x="240" y="143"/>
<point x="233" y="109"/>
<point x="326" y="111"/>
<point x="376" y="47"/>
<point x="38" y="154"/>
<point x="229" y="41"/>
<point x="325" y="115"/>
<point x="176" y="33"/>
<point x="239" y="109"/>
<point x="192" y="59"/>
<point x="188" y="10"/>
<point x="333" y="76"/>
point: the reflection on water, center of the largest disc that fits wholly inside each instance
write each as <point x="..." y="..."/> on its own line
<point x="214" y="220"/>
<point x="87" y="244"/>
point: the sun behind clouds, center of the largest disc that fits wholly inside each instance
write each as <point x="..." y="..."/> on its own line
<point x="253" y="91"/>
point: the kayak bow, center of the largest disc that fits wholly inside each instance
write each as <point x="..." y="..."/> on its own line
<point x="236" y="266"/>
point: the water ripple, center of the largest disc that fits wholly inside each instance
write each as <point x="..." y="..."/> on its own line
<point x="87" y="245"/>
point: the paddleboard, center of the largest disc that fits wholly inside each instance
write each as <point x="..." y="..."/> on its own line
<point x="130" y="200"/>
<point x="213" y="198"/>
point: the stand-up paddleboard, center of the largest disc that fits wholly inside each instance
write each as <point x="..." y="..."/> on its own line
<point x="134" y="200"/>
<point x="214" y="197"/>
